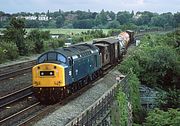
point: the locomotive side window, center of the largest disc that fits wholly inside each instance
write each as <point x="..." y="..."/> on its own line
<point x="42" y="58"/>
<point x="61" y="58"/>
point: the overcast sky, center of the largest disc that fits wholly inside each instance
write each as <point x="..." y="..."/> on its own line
<point x="160" y="6"/>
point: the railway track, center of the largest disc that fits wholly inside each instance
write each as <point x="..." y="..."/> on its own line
<point x="36" y="111"/>
<point x="15" y="117"/>
<point x="15" y="96"/>
<point x="51" y="108"/>
<point x="16" y="106"/>
<point x="15" y="69"/>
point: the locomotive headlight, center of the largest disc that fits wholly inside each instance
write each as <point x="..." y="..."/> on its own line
<point x="51" y="73"/>
<point x="42" y="73"/>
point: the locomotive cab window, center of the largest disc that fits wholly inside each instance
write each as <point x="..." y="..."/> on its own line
<point x="42" y="58"/>
<point x="52" y="56"/>
<point x="61" y="58"/>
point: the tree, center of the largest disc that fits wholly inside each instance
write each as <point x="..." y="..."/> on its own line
<point x="113" y="24"/>
<point x="36" y="37"/>
<point x="32" y="24"/>
<point x="169" y="99"/>
<point x="15" y="33"/>
<point x="101" y="18"/>
<point x="163" y="118"/>
<point x="177" y="19"/>
<point x="59" y="21"/>
<point x="155" y="62"/>
<point x="123" y="17"/>
<point x="112" y="15"/>
<point x="86" y="23"/>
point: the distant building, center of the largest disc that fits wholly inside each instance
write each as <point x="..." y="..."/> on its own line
<point x="28" y="17"/>
<point x="43" y="17"/>
<point x="39" y="17"/>
<point x="54" y="35"/>
<point x="137" y="16"/>
<point x="109" y="18"/>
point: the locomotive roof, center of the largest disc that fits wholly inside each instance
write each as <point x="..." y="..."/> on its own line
<point x="107" y="40"/>
<point x="78" y="50"/>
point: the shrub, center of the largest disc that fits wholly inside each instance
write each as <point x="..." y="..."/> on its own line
<point x="114" y="32"/>
<point x="2" y="55"/>
<point x="30" y="46"/>
<point x="10" y="50"/>
<point x="159" y="117"/>
<point x="54" y="43"/>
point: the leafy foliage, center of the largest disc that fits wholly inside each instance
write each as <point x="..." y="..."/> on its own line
<point x="155" y="61"/>
<point x="16" y="32"/>
<point x="103" y="19"/>
<point x="163" y="118"/>
<point x="38" y="37"/>
<point x="169" y="99"/>
<point x="10" y="50"/>
<point x="123" y="108"/>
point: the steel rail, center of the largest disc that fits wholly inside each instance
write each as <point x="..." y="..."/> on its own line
<point x="18" y="113"/>
<point x="15" y="96"/>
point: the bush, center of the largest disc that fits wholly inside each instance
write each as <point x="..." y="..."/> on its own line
<point x="54" y="43"/>
<point x="77" y="39"/>
<point x="61" y="41"/>
<point x="169" y="99"/>
<point x="123" y="108"/>
<point x="38" y="38"/>
<point x="30" y="46"/>
<point x="114" y="32"/>
<point x="10" y="50"/>
<point x="163" y="118"/>
<point x="2" y="55"/>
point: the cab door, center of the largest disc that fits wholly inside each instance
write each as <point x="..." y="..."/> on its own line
<point x="71" y="69"/>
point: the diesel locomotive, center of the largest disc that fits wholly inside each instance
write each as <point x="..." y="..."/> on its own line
<point x="62" y="71"/>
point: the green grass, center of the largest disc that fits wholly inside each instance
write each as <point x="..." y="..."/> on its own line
<point x="65" y="31"/>
<point x="61" y="31"/>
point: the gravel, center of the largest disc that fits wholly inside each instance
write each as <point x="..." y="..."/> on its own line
<point x="15" y="84"/>
<point x="18" y="82"/>
<point x="66" y="113"/>
<point x="19" y="60"/>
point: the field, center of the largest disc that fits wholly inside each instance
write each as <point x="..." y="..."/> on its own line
<point x="61" y="31"/>
<point x="66" y="31"/>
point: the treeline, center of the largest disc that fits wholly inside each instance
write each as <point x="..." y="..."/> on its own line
<point x="104" y="19"/>
<point x="156" y="63"/>
<point x="16" y="42"/>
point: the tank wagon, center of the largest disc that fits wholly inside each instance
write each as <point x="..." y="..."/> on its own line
<point x="62" y="71"/>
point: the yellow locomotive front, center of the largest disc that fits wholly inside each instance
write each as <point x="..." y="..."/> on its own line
<point x="48" y="81"/>
<point x="48" y="75"/>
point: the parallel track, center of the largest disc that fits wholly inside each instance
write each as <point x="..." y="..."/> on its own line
<point x="15" y="96"/>
<point x="19" y="113"/>
<point x="16" y="69"/>
<point x="51" y="108"/>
